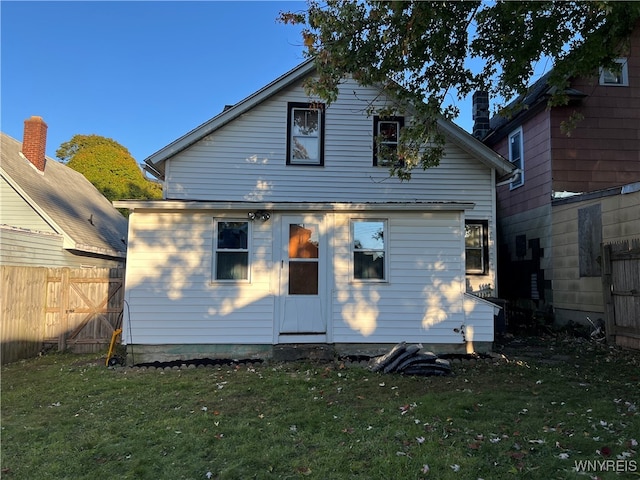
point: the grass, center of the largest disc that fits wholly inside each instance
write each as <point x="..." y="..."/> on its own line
<point x="66" y="416"/>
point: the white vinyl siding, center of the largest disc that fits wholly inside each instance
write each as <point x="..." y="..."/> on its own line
<point x="423" y="298"/>
<point x="169" y="289"/>
<point x="172" y="301"/>
<point x="246" y="161"/>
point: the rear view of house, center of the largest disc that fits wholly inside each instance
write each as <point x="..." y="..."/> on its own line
<point x="280" y="226"/>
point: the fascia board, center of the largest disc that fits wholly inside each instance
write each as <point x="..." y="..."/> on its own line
<point x="181" y="205"/>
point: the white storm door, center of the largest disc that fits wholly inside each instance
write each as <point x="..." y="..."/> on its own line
<point x="303" y="276"/>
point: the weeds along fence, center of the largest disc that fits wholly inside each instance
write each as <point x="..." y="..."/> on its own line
<point x="621" y="290"/>
<point x="65" y="308"/>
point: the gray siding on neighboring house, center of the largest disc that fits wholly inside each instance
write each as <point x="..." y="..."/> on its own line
<point x="41" y="249"/>
<point x="15" y="211"/>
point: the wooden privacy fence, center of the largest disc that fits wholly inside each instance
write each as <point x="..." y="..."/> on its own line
<point x="621" y="290"/>
<point x="76" y="309"/>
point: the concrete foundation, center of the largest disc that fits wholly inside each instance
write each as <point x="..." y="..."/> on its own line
<point x="138" y="354"/>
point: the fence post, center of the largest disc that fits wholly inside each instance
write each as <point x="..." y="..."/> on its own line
<point x="64" y="310"/>
<point x="607" y="285"/>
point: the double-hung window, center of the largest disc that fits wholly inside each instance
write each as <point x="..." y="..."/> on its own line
<point x="231" y="250"/>
<point x="305" y="134"/>
<point x="368" y="249"/>
<point x="386" y="137"/>
<point x="516" y="158"/>
<point x="618" y="76"/>
<point x="476" y="247"/>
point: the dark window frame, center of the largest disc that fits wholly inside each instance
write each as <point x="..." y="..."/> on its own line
<point x="376" y="122"/>
<point x="320" y="107"/>
<point x="484" y="248"/>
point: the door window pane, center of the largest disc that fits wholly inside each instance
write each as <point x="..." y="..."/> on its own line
<point x="303" y="241"/>
<point x="303" y="278"/>
<point x="303" y="259"/>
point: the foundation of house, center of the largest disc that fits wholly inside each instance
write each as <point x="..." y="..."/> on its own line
<point x="143" y="354"/>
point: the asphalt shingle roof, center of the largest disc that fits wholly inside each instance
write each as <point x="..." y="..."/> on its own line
<point x="69" y="199"/>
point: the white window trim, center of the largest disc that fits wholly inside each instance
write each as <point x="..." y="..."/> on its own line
<point x="215" y="250"/>
<point x="512" y="185"/>
<point x="624" y="73"/>
<point x="352" y="271"/>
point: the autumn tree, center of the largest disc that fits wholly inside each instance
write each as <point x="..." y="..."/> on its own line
<point x="109" y="167"/>
<point x="425" y="53"/>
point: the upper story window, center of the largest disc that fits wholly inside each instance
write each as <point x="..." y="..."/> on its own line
<point x="369" y="250"/>
<point x="231" y="251"/>
<point x="615" y="76"/>
<point x="515" y="157"/>
<point x="386" y="135"/>
<point x="476" y="247"/>
<point x="305" y="134"/>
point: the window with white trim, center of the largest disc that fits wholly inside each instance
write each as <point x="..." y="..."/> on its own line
<point x="305" y="134"/>
<point x="516" y="157"/>
<point x="231" y="250"/>
<point x="618" y="76"/>
<point x="476" y="247"/>
<point x="368" y="250"/>
<point x="386" y="136"/>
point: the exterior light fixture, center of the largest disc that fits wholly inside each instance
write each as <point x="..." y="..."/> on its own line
<point x="259" y="215"/>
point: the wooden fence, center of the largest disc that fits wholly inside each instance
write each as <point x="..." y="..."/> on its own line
<point x="76" y="309"/>
<point x="621" y="290"/>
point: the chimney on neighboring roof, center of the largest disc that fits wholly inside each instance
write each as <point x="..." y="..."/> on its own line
<point x="480" y="114"/>
<point x="34" y="142"/>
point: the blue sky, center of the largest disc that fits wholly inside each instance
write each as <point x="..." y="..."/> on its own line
<point x="142" y="73"/>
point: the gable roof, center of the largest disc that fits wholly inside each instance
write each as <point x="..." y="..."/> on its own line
<point x="87" y="221"/>
<point x="154" y="164"/>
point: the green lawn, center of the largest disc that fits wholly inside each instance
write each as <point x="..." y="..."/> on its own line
<point x="535" y="416"/>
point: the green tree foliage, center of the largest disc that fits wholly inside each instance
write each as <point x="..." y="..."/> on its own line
<point x="109" y="167"/>
<point x="425" y="53"/>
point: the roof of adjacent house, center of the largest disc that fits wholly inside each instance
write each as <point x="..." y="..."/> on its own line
<point x="512" y="114"/>
<point x="67" y="201"/>
<point x="155" y="162"/>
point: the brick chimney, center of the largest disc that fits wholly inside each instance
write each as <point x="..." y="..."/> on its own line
<point x="480" y="114"/>
<point x="34" y="142"/>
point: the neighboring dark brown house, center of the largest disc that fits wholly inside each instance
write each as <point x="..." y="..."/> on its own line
<point x="548" y="251"/>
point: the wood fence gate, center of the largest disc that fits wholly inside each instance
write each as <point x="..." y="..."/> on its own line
<point x="74" y="308"/>
<point x="621" y="290"/>
<point x="83" y="308"/>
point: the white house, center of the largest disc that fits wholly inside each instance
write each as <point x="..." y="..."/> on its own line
<point x="280" y="227"/>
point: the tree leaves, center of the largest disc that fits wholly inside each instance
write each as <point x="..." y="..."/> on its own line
<point x="425" y="53"/>
<point x="109" y="167"/>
